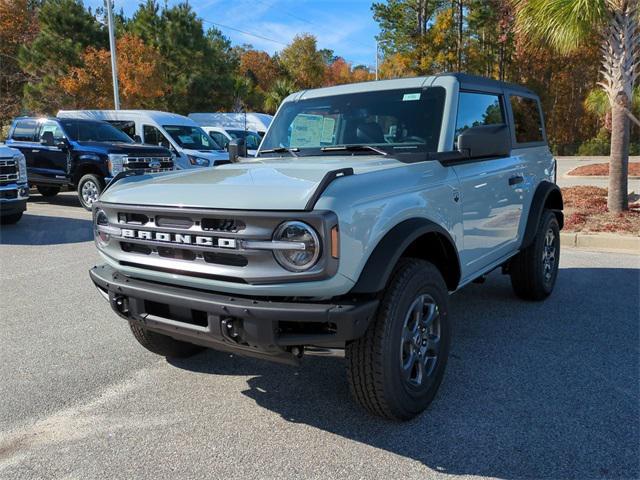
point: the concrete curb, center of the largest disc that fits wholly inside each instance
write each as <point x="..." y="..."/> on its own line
<point x="595" y="177"/>
<point x="601" y="242"/>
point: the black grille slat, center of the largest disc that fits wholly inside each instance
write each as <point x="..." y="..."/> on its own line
<point x="222" y="225"/>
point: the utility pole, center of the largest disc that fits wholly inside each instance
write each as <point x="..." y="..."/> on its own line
<point x="377" y="55"/>
<point x="114" y="61"/>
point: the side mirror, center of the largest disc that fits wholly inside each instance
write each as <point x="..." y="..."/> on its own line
<point x="485" y="141"/>
<point x="137" y="139"/>
<point x="237" y="148"/>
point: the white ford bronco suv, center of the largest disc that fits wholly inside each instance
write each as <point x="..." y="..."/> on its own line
<point x="367" y="205"/>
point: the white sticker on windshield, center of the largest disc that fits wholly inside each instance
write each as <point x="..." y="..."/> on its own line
<point x="306" y="130"/>
<point x="407" y="97"/>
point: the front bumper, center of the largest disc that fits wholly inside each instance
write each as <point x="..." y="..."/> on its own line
<point x="251" y="326"/>
<point x="13" y="198"/>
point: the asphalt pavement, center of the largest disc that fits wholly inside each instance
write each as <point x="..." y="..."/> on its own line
<point x="533" y="390"/>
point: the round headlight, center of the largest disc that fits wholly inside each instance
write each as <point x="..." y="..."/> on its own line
<point x="101" y="220"/>
<point x="305" y="246"/>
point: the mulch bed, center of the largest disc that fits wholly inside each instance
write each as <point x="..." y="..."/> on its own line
<point x="602" y="170"/>
<point x="585" y="210"/>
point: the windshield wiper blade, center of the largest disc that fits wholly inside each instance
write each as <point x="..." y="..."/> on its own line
<point x="292" y="151"/>
<point x="353" y="148"/>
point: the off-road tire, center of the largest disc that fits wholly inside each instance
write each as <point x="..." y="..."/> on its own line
<point x="48" y="192"/>
<point x="374" y="361"/>
<point x="97" y="185"/>
<point x="10" y="219"/>
<point x="527" y="269"/>
<point x="162" y="344"/>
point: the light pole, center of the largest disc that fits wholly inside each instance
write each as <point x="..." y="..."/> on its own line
<point x="378" y="42"/>
<point x="114" y="61"/>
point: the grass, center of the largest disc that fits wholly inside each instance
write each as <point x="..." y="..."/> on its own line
<point x="602" y="170"/>
<point x="585" y="210"/>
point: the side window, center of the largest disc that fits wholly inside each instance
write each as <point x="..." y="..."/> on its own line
<point x="153" y="136"/>
<point x="127" y="127"/>
<point x="219" y="138"/>
<point x="475" y="109"/>
<point x="526" y="117"/>
<point x="25" y="131"/>
<point x="54" y="128"/>
<point x="253" y="141"/>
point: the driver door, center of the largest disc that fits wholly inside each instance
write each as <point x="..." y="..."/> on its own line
<point x="51" y="160"/>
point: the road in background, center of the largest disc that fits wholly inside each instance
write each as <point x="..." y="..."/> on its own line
<point x="532" y="390"/>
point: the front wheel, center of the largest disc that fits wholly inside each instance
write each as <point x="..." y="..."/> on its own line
<point x="89" y="189"/>
<point x="162" y="344"/>
<point x="535" y="269"/>
<point x="396" y="368"/>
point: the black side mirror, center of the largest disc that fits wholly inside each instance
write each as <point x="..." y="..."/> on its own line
<point x="237" y="148"/>
<point x="47" y="139"/>
<point x="137" y="139"/>
<point x="485" y="141"/>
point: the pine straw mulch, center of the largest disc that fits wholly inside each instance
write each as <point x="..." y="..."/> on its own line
<point x="601" y="170"/>
<point x="585" y="210"/>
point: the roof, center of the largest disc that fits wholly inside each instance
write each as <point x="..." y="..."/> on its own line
<point x="256" y="121"/>
<point x="162" y="118"/>
<point x="466" y="81"/>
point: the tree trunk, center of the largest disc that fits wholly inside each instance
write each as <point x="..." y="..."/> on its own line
<point x="618" y="199"/>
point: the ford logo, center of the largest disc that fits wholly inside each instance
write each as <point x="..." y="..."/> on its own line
<point x="155" y="164"/>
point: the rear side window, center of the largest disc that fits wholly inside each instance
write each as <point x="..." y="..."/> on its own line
<point x="475" y="109"/>
<point x="25" y="131"/>
<point x="526" y="119"/>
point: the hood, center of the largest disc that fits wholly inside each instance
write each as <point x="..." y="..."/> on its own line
<point x="208" y="154"/>
<point x="267" y="184"/>
<point x="131" y="149"/>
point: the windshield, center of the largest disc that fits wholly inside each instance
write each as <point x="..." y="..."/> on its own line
<point x="252" y="139"/>
<point x="93" y="131"/>
<point x="391" y="120"/>
<point x="193" y="138"/>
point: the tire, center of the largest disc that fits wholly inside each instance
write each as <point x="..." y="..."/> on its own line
<point x="163" y="344"/>
<point x="48" y="192"/>
<point x="384" y="372"/>
<point x="535" y="269"/>
<point x="10" y="219"/>
<point x="90" y="187"/>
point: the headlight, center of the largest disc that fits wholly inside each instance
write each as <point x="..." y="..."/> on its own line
<point x="22" y="167"/>
<point x="102" y="231"/>
<point x="200" y="162"/>
<point x="305" y="244"/>
<point x="116" y="163"/>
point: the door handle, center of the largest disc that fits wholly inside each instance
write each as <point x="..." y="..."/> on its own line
<point x="516" y="180"/>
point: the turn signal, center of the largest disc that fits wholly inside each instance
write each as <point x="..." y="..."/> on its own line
<point x="335" y="242"/>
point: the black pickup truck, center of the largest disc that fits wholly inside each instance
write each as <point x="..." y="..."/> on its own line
<point x="82" y="154"/>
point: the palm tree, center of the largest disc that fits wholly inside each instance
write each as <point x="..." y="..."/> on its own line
<point x="569" y="24"/>
<point x="281" y="89"/>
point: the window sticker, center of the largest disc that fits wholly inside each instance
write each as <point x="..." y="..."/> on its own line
<point x="306" y="130"/>
<point x="185" y="139"/>
<point x="328" y="126"/>
<point x="408" y="97"/>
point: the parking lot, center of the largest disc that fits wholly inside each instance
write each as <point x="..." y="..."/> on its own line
<point x="532" y="390"/>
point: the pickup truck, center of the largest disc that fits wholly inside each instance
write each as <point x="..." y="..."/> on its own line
<point x="14" y="190"/>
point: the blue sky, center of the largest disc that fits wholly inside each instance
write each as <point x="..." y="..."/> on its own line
<point x="345" y="26"/>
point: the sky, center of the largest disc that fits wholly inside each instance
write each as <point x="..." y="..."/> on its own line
<point x="345" y="26"/>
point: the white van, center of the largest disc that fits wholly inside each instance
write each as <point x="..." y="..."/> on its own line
<point x="256" y="122"/>
<point x="189" y="143"/>
<point x="223" y="135"/>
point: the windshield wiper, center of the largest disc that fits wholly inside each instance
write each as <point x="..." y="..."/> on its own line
<point x="291" y="151"/>
<point x="352" y="148"/>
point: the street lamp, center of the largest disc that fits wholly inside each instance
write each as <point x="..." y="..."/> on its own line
<point x="112" y="47"/>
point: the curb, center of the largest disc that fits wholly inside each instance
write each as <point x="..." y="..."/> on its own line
<point x="595" y="177"/>
<point x="601" y="242"/>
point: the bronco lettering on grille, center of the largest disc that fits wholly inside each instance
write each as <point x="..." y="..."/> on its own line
<point x="179" y="238"/>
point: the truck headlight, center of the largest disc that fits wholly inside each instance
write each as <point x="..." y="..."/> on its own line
<point x="305" y="249"/>
<point x="116" y="163"/>
<point x="102" y="231"/>
<point x="22" y="167"/>
<point x="198" y="161"/>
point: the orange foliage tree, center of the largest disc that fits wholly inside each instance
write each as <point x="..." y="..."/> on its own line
<point x="260" y="67"/>
<point x="139" y="78"/>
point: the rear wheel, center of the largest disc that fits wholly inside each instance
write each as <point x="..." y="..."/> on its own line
<point x="10" y="219"/>
<point x="535" y="269"/>
<point x="163" y="344"/>
<point x="48" y="191"/>
<point x="90" y="187"/>
<point x="396" y="368"/>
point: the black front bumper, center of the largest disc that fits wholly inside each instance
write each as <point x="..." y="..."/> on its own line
<point x="253" y="326"/>
<point x="12" y="207"/>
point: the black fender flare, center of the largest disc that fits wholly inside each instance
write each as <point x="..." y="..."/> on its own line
<point x="383" y="259"/>
<point x="549" y="196"/>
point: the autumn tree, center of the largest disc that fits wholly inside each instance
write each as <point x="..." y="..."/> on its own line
<point x="260" y="67"/>
<point x="303" y="62"/>
<point x="18" y="26"/>
<point x="139" y="77"/>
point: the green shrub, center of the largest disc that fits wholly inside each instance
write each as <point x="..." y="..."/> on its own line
<point x="600" y="145"/>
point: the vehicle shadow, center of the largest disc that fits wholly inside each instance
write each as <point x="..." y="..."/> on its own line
<point x="532" y="390"/>
<point x="46" y="230"/>
<point x="63" y="199"/>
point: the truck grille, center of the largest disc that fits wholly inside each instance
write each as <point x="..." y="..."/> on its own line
<point x="149" y="164"/>
<point x="8" y="170"/>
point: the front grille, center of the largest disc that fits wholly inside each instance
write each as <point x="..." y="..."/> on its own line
<point x="160" y="164"/>
<point x="8" y="170"/>
<point x="9" y="194"/>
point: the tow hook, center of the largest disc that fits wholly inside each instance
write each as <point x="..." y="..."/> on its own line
<point x="121" y="304"/>
<point x="297" y="352"/>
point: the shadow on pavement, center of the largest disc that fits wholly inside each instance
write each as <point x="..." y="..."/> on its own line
<point x="46" y="230"/>
<point x="532" y="390"/>
<point x="63" y="199"/>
